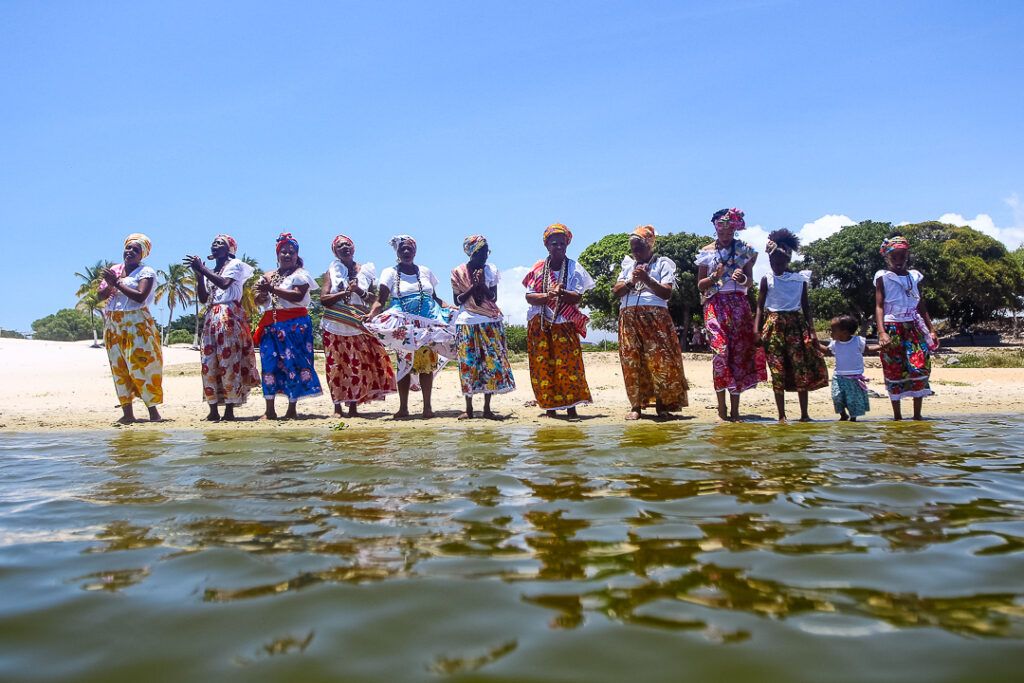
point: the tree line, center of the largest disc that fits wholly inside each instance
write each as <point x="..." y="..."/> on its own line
<point x="969" y="277"/>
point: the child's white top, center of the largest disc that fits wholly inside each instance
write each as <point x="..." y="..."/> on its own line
<point x="785" y="292"/>
<point x="403" y="284"/>
<point x="239" y="272"/>
<point x="119" y="301"/>
<point x="662" y="270"/>
<point x="849" y="355"/>
<point x="901" y="295"/>
<point x="299" y="276"/>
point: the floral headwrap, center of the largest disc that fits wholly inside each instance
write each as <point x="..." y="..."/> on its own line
<point x="645" y="233"/>
<point x="340" y="240"/>
<point x="733" y="218"/>
<point x="228" y="240"/>
<point x="138" y="238"/>
<point x="397" y="241"/>
<point x="891" y="244"/>
<point x="473" y="244"/>
<point x="286" y="238"/>
<point x="557" y="229"/>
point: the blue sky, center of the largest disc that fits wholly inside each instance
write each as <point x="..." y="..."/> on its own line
<point x="443" y="119"/>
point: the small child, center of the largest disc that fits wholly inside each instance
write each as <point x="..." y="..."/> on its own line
<point x="906" y="336"/>
<point x="787" y="329"/>
<point x="849" y="386"/>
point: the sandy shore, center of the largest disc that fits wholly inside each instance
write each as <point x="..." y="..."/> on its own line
<point x="67" y="386"/>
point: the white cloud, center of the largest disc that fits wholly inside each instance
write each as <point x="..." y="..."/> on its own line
<point x="1012" y="237"/>
<point x="512" y="294"/>
<point x="827" y="225"/>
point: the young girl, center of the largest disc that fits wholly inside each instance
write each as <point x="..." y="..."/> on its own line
<point x="905" y="345"/>
<point x="787" y="330"/>
<point x="849" y="386"/>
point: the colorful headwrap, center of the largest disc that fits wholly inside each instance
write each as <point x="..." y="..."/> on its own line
<point x="891" y="244"/>
<point x="772" y="246"/>
<point x="733" y="218"/>
<point x="645" y="233"/>
<point x="228" y="240"/>
<point x="141" y="240"/>
<point x="340" y="240"/>
<point x="397" y="241"/>
<point x="286" y="238"/>
<point x="473" y="244"/>
<point x="557" y="229"/>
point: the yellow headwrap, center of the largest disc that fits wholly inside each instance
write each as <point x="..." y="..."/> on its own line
<point x="557" y="229"/>
<point x="141" y="240"/>
<point x="646" y="233"/>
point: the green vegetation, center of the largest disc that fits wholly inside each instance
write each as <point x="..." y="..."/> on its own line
<point x="990" y="359"/>
<point x="179" y="337"/>
<point x="66" y="324"/>
<point x="11" y="334"/>
<point x="515" y="337"/>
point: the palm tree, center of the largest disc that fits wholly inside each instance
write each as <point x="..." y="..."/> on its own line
<point x="248" y="296"/>
<point x="88" y="293"/>
<point x="176" y="287"/>
<point x="192" y="282"/>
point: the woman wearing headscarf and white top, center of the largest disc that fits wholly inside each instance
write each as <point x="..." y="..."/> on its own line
<point x="358" y="367"/>
<point x="415" y="324"/>
<point x="228" y="354"/>
<point x="483" y="350"/>
<point x="652" y="361"/>
<point x="130" y="335"/>
<point x="285" y="332"/>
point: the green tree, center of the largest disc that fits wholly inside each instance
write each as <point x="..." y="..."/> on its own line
<point x="173" y="284"/>
<point x="603" y="259"/>
<point x="66" y="324"/>
<point x="846" y="263"/>
<point x="968" y="275"/>
<point x="515" y="338"/>
<point x="11" y="334"/>
<point x="88" y="293"/>
<point x="248" y="293"/>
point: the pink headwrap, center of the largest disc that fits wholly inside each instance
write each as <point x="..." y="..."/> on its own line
<point x="340" y="240"/>
<point x="286" y="238"/>
<point x="734" y="219"/>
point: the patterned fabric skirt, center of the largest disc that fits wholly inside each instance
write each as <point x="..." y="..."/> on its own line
<point x="422" y="345"/>
<point x="906" y="361"/>
<point x="793" y="355"/>
<point x="228" y="356"/>
<point x="358" y="368"/>
<point x="652" y="362"/>
<point x="556" y="365"/>
<point x="132" y="339"/>
<point x="737" y="363"/>
<point x="483" y="359"/>
<point x="849" y="395"/>
<point x="286" y="354"/>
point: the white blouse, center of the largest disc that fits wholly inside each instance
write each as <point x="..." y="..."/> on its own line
<point x="300" y="276"/>
<point x="785" y="292"/>
<point x="119" y="301"/>
<point x="391" y="278"/>
<point x="579" y="281"/>
<point x="901" y="295"/>
<point x="662" y="271"/>
<point x="849" y="356"/>
<point x="464" y="317"/>
<point x="339" y="281"/>
<point x="239" y="272"/>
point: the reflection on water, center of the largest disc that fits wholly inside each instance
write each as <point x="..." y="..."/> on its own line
<point x="474" y="550"/>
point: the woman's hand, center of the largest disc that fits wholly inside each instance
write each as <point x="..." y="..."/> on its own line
<point x="264" y="286"/>
<point x="935" y="338"/>
<point x="718" y="273"/>
<point x="883" y="338"/>
<point x="193" y="262"/>
<point x="739" y="277"/>
<point x="641" y="276"/>
<point x="109" y="276"/>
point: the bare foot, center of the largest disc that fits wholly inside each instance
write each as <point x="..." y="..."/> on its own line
<point x="550" y="413"/>
<point x="466" y="416"/>
<point x="401" y="413"/>
<point x="843" y="417"/>
<point x="268" y="416"/>
<point x="125" y="420"/>
<point x="229" y="413"/>
<point x="633" y="415"/>
<point x="352" y="412"/>
<point x="805" y="418"/>
<point x="488" y="415"/>
<point x="338" y="411"/>
<point x="154" y="415"/>
<point x="852" y="419"/>
<point x="212" y="417"/>
<point x="427" y="414"/>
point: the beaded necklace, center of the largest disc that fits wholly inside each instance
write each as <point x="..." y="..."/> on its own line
<point x="563" y="275"/>
<point x="419" y="284"/>
<point x="638" y="287"/>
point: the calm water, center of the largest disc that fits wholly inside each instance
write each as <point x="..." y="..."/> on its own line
<point x="838" y="552"/>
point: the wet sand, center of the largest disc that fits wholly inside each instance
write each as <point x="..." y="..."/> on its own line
<point x="67" y="386"/>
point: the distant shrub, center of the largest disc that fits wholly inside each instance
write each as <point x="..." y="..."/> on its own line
<point x="515" y="335"/>
<point x="180" y="337"/>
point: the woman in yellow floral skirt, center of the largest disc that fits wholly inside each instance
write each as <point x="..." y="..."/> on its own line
<point x="130" y="334"/>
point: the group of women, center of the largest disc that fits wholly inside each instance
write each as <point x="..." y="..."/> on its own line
<point x="369" y="315"/>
